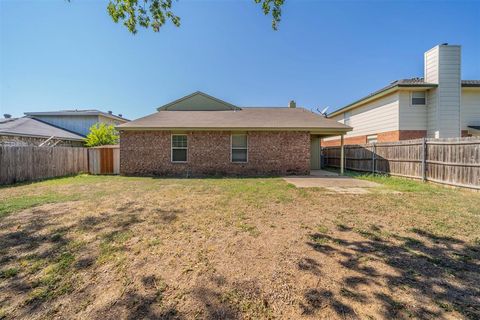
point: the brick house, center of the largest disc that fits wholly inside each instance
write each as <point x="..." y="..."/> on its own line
<point x="439" y="105"/>
<point x="200" y="135"/>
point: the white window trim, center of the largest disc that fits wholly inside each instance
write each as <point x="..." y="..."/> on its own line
<point x="418" y="105"/>
<point x="171" y="148"/>
<point x="372" y="136"/>
<point x="236" y="148"/>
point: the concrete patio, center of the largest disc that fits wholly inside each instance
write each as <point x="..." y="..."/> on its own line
<point x="331" y="181"/>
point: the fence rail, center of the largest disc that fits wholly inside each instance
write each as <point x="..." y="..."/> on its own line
<point x="453" y="161"/>
<point x="22" y="163"/>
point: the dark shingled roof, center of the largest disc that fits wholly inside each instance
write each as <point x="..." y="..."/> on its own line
<point x="470" y="83"/>
<point x="407" y="83"/>
<point x="34" y="128"/>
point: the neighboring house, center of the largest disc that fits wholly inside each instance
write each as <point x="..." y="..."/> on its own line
<point x="439" y="105"/>
<point x="202" y="135"/>
<point x="32" y="132"/>
<point x="78" y="121"/>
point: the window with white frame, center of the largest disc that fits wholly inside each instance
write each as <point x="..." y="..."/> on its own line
<point x="372" y="138"/>
<point x="419" y="98"/>
<point x="179" y="148"/>
<point x="239" y="148"/>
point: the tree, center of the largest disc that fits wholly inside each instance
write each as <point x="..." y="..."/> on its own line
<point x="101" y="134"/>
<point x="155" y="13"/>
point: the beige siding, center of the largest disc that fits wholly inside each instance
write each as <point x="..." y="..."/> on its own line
<point x="442" y="66"/>
<point x="411" y="117"/>
<point x="377" y="116"/>
<point x="432" y="113"/>
<point x="470" y="111"/>
<point x="199" y="102"/>
<point x="431" y="65"/>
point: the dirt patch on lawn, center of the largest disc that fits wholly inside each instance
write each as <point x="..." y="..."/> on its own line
<point x="239" y="249"/>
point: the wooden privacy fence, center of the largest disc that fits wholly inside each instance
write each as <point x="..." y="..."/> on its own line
<point x="453" y="161"/>
<point x="22" y="163"/>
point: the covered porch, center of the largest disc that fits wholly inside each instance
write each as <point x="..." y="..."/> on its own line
<point x="316" y="150"/>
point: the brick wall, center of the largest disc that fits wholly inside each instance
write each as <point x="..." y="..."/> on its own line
<point x="269" y="153"/>
<point x="389" y="136"/>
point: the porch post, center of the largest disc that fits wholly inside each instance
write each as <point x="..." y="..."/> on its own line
<point x="342" y="156"/>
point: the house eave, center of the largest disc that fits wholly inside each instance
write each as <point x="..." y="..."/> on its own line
<point x="312" y="130"/>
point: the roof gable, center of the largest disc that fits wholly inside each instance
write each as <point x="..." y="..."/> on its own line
<point x="198" y="101"/>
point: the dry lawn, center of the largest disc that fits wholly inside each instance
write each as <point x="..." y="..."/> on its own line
<point x="93" y="247"/>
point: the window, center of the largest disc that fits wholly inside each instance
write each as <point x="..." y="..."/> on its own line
<point x="346" y="118"/>
<point x="419" y="98"/>
<point x="179" y="148"/>
<point x="372" y="138"/>
<point x="239" y="148"/>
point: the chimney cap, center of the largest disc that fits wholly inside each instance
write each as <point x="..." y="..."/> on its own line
<point x="7" y="115"/>
<point x="292" y="104"/>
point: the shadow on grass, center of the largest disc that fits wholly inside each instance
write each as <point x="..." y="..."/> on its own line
<point x="444" y="272"/>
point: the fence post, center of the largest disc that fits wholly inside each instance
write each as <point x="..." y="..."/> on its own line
<point x="424" y="159"/>
<point x="342" y="156"/>
<point x="374" y="157"/>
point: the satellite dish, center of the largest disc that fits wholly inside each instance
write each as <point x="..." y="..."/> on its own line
<point x="323" y="112"/>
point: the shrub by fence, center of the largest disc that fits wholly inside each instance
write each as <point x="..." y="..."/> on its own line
<point x="19" y="164"/>
<point x="453" y="161"/>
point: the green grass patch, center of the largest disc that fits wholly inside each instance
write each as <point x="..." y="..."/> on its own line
<point x="112" y="246"/>
<point x="16" y="204"/>
<point x="398" y="183"/>
<point x="54" y="280"/>
<point x="9" y="273"/>
<point x="321" y="228"/>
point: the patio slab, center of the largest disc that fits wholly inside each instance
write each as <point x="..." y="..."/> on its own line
<point x="331" y="181"/>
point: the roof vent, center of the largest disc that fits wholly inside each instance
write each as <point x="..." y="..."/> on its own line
<point x="110" y="112"/>
<point x="7" y="116"/>
<point x="292" y="104"/>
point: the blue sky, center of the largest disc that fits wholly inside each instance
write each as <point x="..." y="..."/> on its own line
<point x="59" y="55"/>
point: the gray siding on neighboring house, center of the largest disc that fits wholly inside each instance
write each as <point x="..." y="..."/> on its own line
<point x="78" y="123"/>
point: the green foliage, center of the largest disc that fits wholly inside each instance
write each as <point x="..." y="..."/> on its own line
<point x="155" y="13"/>
<point x="101" y="135"/>
<point x="275" y="8"/>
